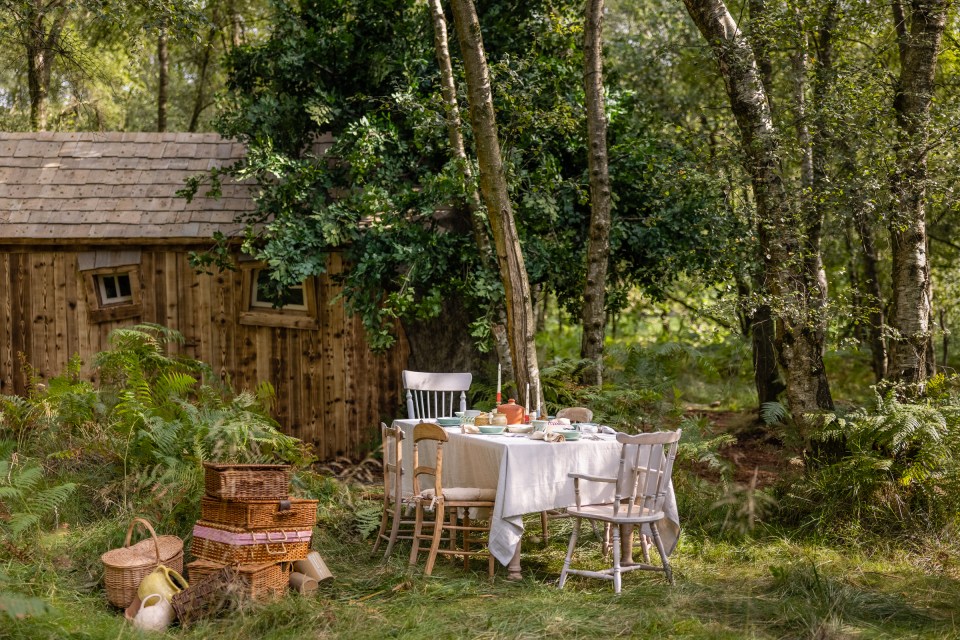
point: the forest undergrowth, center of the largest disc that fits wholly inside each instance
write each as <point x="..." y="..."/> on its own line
<point x="853" y="534"/>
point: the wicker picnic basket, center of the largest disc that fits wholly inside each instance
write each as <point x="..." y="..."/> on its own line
<point x="255" y="580"/>
<point x="236" y="545"/>
<point x="126" y="567"/>
<point x="205" y="596"/>
<point x="261" y="514"/>
<point x="247" y="481"/>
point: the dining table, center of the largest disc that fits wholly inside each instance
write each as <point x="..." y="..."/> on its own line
<point x="529" y="476"/>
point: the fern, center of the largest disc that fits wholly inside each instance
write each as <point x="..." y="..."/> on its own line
<point x="22" y="495"/>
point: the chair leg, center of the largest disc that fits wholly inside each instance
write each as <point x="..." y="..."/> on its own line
<point x="466" y="539"/>
<point x="663" y="554"/>
<point x="570" y="547"/>
<point x="645" y="547"/>
<point x="544" y="527"/>
<point x="605" y="541"/>
<point x="383" y="526"/>
<point x="417" y="529"/>
<point x="441" y="511"/>
<point x="616" y="560"/>
<point x="394" y="530"/>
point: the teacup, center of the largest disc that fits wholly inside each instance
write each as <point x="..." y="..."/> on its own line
<point x="539" y="425"/>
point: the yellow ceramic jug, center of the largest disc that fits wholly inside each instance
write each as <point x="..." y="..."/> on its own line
<point x="164" y="581"/>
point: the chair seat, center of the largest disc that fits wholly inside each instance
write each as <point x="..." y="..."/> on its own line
<point x="462" y="494"/>
<point x="604" y="512"/>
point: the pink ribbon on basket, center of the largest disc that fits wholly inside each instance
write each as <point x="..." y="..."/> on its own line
<point x="252" y="537"/>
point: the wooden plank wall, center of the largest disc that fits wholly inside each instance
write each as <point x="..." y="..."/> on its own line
<point x="331" y="390"/>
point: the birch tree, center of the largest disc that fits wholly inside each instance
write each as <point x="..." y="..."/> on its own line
<point x="919" y="33"/>
<point x="781" y="225"/>
<point x="493" y="187"/>
<point x="598" y="249"/>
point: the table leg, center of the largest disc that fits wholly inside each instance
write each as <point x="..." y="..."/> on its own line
<point x="513" y="569"/>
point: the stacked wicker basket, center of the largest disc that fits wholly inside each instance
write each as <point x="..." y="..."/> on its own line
<point x="250" y="524"/>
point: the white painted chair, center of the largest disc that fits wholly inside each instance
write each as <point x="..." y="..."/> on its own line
<point x="642" y="481"/>
<point x="435" y="395"/>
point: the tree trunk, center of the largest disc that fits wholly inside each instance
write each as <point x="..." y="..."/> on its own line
<point x="40" y="31"/>
<point x="780" y="227"/>
<point x="919" y="44"/>
<point x="871" y="278"/>
<point x="598" y="249"/>
<point x="766" y="373"/>
<point x="493" y="187"/>
<point x="164" y="66"/>
<point x="203" y="66"/>
<point x="478" y="218"/>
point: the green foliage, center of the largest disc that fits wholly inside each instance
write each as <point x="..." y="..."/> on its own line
<point x="140" y="439"/>
<point x="28" y="498"/>
<point x="895" y="467"/>
<point x="16" y="605"/>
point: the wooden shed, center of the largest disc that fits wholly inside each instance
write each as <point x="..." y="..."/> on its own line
<point x="92" y="237"/>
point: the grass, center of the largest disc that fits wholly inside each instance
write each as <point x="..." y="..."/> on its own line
<point x="762" y="588"/>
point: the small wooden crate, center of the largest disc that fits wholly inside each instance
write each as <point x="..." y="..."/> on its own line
<point x="254" y="580"/>
<point x="236" y="545"/>
<point x="247" y="481"/>
<point x="261" y="514"/>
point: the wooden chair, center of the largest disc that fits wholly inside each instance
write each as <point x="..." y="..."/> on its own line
<point x="435" y="395"/>
<point x="446" y="503"/>
<point x="646" y="464"/>
<point x="394" y="502"/>
<point x="573" y="414"/>
<point x="576" y="414"/>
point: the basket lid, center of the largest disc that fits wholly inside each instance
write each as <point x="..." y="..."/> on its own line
<point x="143" y="553"/>
<point x="226" y="466"/>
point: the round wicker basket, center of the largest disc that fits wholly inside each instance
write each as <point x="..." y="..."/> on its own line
<point x="126" y="567"/>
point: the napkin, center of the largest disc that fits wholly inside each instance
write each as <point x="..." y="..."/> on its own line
<point x="470" y="428"/>
<point x="547" y="437"/>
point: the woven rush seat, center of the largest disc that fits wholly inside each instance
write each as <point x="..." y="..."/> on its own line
<point x="462" y="494"/>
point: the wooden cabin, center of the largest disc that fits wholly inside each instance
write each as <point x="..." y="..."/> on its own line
<point x="93" y="237"/>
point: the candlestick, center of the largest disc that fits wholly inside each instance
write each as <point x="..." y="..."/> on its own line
<point x="499" y="399"/>
<point x="526" y="401"/>
<point x="538" y="398"/>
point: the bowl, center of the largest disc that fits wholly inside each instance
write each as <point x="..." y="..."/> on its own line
<point x="472" y="413"/>
<point x="569" y="434"/>
<point x="459" y="414"/>
<point x="448" y="422"/>
<point x="520" y="428"/>
<point x="491" y="429"/>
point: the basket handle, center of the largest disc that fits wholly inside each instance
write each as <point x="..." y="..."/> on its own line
<point x="149" y="527"/>
<point x="282" y="552"/>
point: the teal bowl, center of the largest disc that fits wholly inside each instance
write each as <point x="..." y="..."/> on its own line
<point x="569" y="434"/>
<point x="491" y="429"/>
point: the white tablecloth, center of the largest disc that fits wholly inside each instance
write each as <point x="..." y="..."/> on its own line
<point x="530" y="476"/>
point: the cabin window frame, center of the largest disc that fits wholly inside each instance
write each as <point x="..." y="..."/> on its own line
<point x="261" y="313"/>
<point x="107" y="309"/>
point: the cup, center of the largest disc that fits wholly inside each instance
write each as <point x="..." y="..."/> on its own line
<point x="539" y="425"/>
<point x="155" y="614"/>
<point x="313" y="566"/>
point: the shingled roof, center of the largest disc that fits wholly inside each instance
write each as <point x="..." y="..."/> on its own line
<point x="58" y="187"/>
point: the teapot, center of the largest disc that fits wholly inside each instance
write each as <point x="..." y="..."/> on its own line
<point x="164" y="581"/>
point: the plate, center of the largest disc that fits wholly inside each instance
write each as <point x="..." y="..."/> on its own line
<point x="448" y="422"/>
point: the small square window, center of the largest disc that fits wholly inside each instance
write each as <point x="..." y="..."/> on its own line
<point x="114" y="288"/>
<point x="293" y="298"/>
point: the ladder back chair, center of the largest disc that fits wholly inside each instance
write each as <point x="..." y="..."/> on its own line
<point x="641" y="484"/>
<point x="446" y="504"/>
<point x="576" y="414"/>
<point x="435" y="395"/>
<point x="394" y="502"/>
